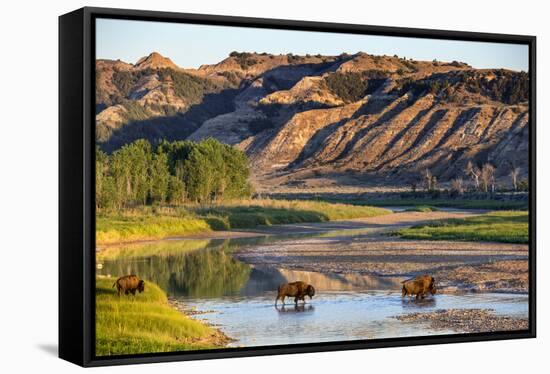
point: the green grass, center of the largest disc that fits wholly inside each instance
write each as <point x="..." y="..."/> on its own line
<point x="252" y="213"/>
<point x="146" y="223"/>
<point x="422" y="208"/>
<point x="449" y="203"/>
<point x="502" y="226"/>
<point x="160" y="222"/>
<point x="145" y="323"/>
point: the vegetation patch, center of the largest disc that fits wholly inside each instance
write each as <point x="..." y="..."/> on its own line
<point x="348" y="86"/>
<point x="449" y="203"/>
<point x="135" y="111"/>
<point x="422" y="208"/>
<point x="252" y="213"/>
<point x="172" y="172"/>
<point x="125" y="80"/>
<point x="144" y="223"/>
<point x="146" y="323"/>
<point x="351" y="86"/>
<point x="147" y="223"/>
<point x="187" y="86"/>
<point x="505" y="86"/>
<point x="244" y="59"/>
<point x="503" y="226"/>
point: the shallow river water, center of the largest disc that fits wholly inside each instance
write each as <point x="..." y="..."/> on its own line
<point x="239" y="298"/>
<point x="335" y="316"/>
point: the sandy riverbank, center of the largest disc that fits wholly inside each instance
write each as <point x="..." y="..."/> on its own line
<point x="385" y="222"/>
<point x="467" y="320"/>
<point x="217" y="339"/>
<point x="457" y="266"/>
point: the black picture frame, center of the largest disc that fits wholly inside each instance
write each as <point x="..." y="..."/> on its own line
<point x="76" y="184"/>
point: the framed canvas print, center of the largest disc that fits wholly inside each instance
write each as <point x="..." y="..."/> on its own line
<point x="236" y="186"/>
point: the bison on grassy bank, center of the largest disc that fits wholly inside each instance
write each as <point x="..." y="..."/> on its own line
<point x="299" y="290"/>
<point x="419" y="286"/>
<point x="129" y="284"/>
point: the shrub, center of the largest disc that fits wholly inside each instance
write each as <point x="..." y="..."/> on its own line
<point x="349" y="87"/>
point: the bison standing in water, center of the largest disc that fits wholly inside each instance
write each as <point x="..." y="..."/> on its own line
<point x="419" y="286"/>
<point x="299" y="290"/>
<point x="129" y="284"/>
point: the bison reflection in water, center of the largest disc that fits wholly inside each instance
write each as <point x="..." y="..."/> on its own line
<point x="298" y="290"/>
<point x="295" y="308"/>
<point x="413" y="304"/>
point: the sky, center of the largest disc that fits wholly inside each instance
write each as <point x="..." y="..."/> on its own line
<point x="190" y="46"/>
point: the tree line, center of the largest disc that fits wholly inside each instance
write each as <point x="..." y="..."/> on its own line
<point x="170" y="172"/>
<point x="482" y="177"/>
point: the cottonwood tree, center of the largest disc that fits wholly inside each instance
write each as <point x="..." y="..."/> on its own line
<point x="474" y="172"/>
<point x="457" y="186"/>
<point x="427" y="174"/>
<point x="137" y="173"/>
<point x="514" y="174"/>
<point x="487" y="177"/>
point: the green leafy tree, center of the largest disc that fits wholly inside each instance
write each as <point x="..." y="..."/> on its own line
<point x="173" y="172"/>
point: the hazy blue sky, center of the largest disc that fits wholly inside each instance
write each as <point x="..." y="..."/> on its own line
<point x="190" y="46"/>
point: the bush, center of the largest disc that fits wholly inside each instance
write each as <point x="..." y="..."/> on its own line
<point x="188" y="86"/>
<point x="507" y="87"/>
<point x="350" y="87"/>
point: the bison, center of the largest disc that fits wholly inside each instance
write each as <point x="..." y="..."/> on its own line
<point x="129" y="284"/>
<point x="419" y="286"/>
<point x="299" y="290"/>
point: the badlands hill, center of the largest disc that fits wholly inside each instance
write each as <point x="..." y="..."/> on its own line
<point x="304" y="120"/>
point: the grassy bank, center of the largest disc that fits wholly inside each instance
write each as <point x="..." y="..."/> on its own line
<point x="502" y="226"/>
<point x="422" y="209"/>
<point x="447" y="203"/>
<point x="145" y="323"/>
<point x="146" y="224"/>
<point x="159" y="222"/>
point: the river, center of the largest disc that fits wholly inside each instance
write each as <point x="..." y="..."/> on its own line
<point x="221" y="287"/>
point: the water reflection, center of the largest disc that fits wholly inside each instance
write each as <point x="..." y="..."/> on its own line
<point x="206" y="272"/>
<point x="198" y="268"/>
<point x="412" y="303"/>
<point x="207" y="269"/>
<point x="295" y="308"/>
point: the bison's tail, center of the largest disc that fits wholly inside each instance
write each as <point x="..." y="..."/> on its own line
<point x="407" y="280"/>
<point x="114" y="284"/>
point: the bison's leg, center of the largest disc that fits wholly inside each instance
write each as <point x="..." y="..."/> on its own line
<point x="276" y="299"/>
<point x="283" y="299"/>
<point x="296" y="300"/>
